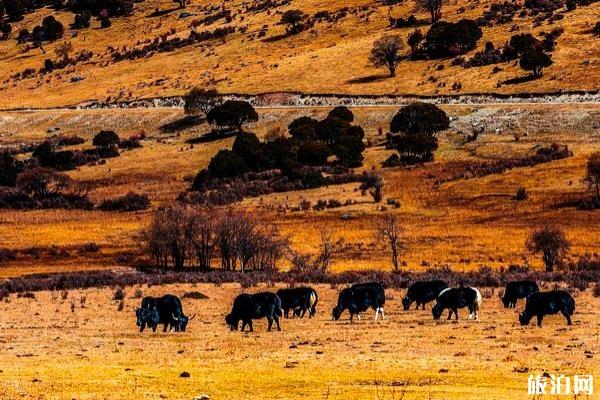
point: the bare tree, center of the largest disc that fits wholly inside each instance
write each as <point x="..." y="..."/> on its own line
<point x="551" y="243"/>
<point x="156" y="241"/>
<point x="168" y="238"/>
<point x="203" y="235"/>
<point x="227" y="230"/>
<point x="387" y="228"/>
<point x="63" y="50"/>
<point x="372" y="182"/>
<point x="328" y="246"/>
<point x="434" y="7"/>
<point x="179" y="233"/>
<point x="593" y="174"/>
<point x="386" y="53"/>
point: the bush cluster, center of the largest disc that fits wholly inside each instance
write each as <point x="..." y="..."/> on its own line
<point x="310" y="144"/>
<point x="129" y="202"/>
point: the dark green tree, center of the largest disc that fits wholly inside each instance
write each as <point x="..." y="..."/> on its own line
<point x="10" y="167"/>
<point x="227" y="164"/>
<point x="233" y="114"/>
<point x="105" y="139"/>
<point x="535" y="61"/>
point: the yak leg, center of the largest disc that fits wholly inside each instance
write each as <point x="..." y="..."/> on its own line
<point x="165" y="326"/>
<point x="449" y="314"/>
<point x="539" y="320"/>
<point x="376" y="313"/>
<point x="456" y="313"/>
<point x="276" y="318"/>
<point x="270" y="319"/>
<point x="567" y="316"/>
<point x="382" y="314"/>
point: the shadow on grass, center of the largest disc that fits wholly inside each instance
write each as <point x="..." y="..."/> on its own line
<point x="211" y="136"/>
<point x="520" y="79"/>
<point x="368" y="79"/>
<point x="186" y="122"/>
<point x="275" y="38"/>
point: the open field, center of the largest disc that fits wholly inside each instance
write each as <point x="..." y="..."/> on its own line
<point x="331" y="57"/>
<point x="465" y="223"/>
<point x="96" y="352"/>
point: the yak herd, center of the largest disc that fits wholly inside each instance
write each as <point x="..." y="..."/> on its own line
<point x="168" y="311"/>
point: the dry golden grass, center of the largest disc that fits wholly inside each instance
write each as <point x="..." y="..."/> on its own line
<point x="96" y="352"/>
<point x="466" y="223"/>
<point x="326" y="59"/>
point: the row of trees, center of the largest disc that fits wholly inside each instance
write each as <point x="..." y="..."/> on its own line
<point x="445" y="39"/>
<point x="181" y="236"/>
<point x="310" y="143"/>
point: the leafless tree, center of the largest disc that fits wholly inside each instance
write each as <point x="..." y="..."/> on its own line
<point x="328" y="246"/>
<point x="372" y="182"/>
<point x="387" y="228"/>
<point x="386" y="52"/>
<point x="551" y="243"/>
<point x="178" y="234"/>
<point x="227" y="230"/>
<point x="434" y="7"/>
<point x="593" y="174"/>
<point x="203" y="235"/>
<point x="155" y="240"/>
<point x="63" y="50"/>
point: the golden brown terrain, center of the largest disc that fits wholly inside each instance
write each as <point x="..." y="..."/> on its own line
<point x="328" y="58"/>
<point x="83" y="348"/>
<point x="465" y="223"/>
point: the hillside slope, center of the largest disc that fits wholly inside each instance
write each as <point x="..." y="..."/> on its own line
<point x="330" y="57"/>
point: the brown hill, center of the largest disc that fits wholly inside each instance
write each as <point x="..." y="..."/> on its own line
<point x="329" y="57"/>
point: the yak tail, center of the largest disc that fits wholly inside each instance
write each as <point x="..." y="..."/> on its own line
<point x="278" y="310"/>
<point x="476" y="304"/>
<point x="314" y="299"/>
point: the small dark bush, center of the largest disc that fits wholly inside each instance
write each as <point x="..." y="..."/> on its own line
<point x="446" y="39"/>
<point x="26" y="295"/>
<point x="129" y="202"/>
<point x="119" y="294"/>
<point x="89" y="247"/>
<point x="194" y="295"/>
<point x="521" y="194"/>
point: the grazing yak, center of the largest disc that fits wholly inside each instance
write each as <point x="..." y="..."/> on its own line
<point x="518" y="290"/>
<point x="147" y="317"/>
<point x="299" y="300"/>
<point x="455" y="298"/>
<point x="547" y="303"/>
<point x="166" y="310"/>
<point x="247" y="307"/>
<point x="423" y="292"/>
<point x="358" y="298"/>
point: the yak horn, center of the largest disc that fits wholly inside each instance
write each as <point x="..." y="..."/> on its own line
<point x="192" y="317"/>
<point x="174" y="317"/>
